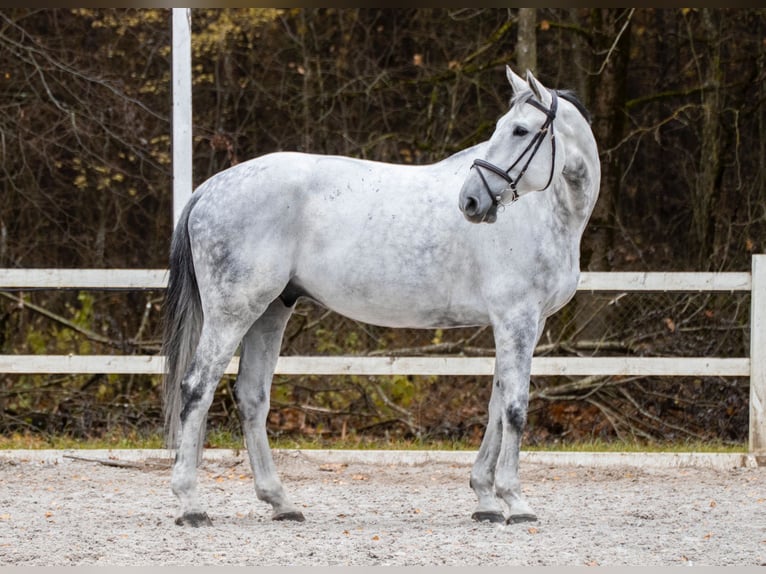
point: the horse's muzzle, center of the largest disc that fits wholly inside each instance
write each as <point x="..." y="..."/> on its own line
<point x="476" y="208"/>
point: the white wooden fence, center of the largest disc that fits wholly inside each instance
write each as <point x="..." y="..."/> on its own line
<point x="753" y="366"/>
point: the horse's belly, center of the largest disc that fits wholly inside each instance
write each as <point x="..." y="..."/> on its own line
<point x="410" y="268"/>
<point x="398" y="306"/>
<point x="412" y="317"/>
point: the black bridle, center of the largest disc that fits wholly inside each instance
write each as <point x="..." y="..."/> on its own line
<point x="533" y="146"/>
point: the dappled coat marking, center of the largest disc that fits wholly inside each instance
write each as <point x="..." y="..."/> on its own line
<point x="391" y="245"/>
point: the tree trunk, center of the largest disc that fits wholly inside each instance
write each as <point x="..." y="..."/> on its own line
<point x="761" y="162"/>
<point x="526" y="43"/>
<point x="710" y="166"/>
<point x="606" y="97"/>
<point x="607" y="89"/>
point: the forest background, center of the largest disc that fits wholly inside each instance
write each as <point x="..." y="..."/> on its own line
<point x="677" y="98"/>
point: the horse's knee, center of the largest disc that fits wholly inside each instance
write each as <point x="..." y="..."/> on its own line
<point x="516" y="416"/>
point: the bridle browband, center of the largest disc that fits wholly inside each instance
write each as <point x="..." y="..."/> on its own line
<point x="533" y="145"/>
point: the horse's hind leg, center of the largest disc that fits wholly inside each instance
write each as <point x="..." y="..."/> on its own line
<point x="260" y="351"/>
<point x="219" y="339"/>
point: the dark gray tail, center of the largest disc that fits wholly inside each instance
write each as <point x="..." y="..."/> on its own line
<point x="182" y="323"/>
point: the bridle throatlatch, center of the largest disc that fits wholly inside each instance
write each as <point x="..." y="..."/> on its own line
<point x="532" y="147"/>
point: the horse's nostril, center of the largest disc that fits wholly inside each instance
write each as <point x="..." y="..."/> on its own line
<point x="470" y="206"/>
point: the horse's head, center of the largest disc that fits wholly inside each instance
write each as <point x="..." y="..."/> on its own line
<point x="521" y="156"/>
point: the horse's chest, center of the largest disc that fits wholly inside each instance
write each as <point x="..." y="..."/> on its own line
<point x="558" y="283"/>
<point x="561" y="294"/>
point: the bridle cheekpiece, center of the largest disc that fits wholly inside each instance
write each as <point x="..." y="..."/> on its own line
<point x="533" y="146"/>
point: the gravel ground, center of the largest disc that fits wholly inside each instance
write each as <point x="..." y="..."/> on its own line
<point x="76" y="512"/>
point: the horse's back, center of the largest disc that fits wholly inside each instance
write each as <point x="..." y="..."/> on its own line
<point x="382" y="243"/>
<point x="386" y="244"/>
<point x="290" y="180"/>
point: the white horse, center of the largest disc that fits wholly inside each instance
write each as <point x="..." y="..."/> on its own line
<point x="383" y="244"/>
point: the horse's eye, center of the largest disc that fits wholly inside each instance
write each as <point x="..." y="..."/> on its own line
<point x="520" y="131"/>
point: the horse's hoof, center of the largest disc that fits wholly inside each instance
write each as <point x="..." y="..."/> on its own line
<point x="294" y="515"/>
<point x="488" y="516"/>
<point x="195" y="519"/>
<point x="517" y="518"/>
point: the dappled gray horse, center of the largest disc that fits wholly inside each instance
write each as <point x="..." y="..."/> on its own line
<point x="383" y="244"/>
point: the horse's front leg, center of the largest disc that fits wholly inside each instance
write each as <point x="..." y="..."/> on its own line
<point x="482" y="482"/>
<point x="515" y="338"/>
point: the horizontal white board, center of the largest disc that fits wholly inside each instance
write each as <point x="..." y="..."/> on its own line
<point x="660" y="281"/>
<point x="83" y="278"/>
<point x="345" y="365"/>
<point x="157" y="279"/>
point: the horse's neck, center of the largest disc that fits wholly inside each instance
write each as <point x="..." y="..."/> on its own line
<point x="574" y="191"/>
<point x="466" y="156"/>
<point x="577" y="187"/>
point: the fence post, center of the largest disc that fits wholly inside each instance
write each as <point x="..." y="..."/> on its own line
<point x="181" y="142"/>
<point x="757" y="438"/>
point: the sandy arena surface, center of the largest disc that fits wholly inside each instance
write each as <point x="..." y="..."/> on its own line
<point x="76" y="512"/>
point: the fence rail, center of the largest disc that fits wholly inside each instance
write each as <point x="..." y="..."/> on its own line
<point x="753" y="366"/>
<point x="23" y="279"/>
<point x="360" y="365"/>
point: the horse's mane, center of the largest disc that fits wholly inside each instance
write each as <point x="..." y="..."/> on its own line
<point x="572" y="98"/>
<point x="568" y="95"/>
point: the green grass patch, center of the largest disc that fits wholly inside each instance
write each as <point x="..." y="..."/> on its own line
<point x="111" y="441"/>
<point x="222" y="439"/>
<point x="622" y="446"/>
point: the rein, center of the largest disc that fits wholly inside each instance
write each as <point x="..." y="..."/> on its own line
<point x="534" y="146"/>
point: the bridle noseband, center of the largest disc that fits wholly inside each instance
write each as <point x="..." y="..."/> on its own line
<point x="533" y="146"/>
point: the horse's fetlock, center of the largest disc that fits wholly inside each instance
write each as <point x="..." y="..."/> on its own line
<point x="271" y="493"/>
<point x="507" y="488"/>
<point x="480" y="483"/>
<point x="182" y="485"/>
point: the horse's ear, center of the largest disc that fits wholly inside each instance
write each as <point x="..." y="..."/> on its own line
<point x="517" y="83"/>
<point x="540" y="91"/>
